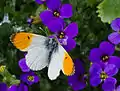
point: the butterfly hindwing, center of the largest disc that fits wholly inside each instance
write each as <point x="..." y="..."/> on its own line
<point x="55" y="64"/>
<point x="60" y="60"/>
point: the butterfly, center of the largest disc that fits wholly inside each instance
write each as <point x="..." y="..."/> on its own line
<point x="44" y="52"/>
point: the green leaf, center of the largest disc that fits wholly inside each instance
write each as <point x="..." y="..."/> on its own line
<point x="8" y="9"/>
<point x="91" y="2"/>
<point x="109" y="10"/>
<point x="40" y="9"/>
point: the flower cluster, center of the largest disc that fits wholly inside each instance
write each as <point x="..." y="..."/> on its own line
<point x="27" y="78"/>
<point x="20" y="87"/>
<point x="54" y="17"/>
<point x="104" y="64"/>
<point x="115" y="36"/>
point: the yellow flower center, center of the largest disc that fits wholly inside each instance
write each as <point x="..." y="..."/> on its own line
<point x="2" y="68"/>
<point x="57" y="14"/>
<point x="61" y="35"/>
<point x="103" y="75"/>
<point x="30" y="78"/>
<point x="105" y="58"/>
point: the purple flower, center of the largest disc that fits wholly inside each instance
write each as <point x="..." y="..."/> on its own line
<point x="3" y="87"/>
<point x="23" y="65"/>
<point x="77" y="81"/>
<point x="56" y="10"/>
<point x="20" y="87"/>
<point x="103" y="55"/>
<point x="29" y="21"/>
<point x="40" y="1"/>
<point x="98" y="75"/>
<point x="29" y="78"/>
<point x="115" y="36"/>
<point x="64" y="35"/>
<point x="118" y="88"/>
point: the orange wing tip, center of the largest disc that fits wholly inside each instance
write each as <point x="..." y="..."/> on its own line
<point x="21" y="40"/>
<point x="72" y="73"/>
<point x="12" y="37"/>
<point x="68" y="65"/>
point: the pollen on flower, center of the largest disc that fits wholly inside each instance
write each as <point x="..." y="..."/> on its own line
<point x="105" y="58"/>
<point x="61" y="35"/>
<point x="2" y="68"/>
<point x="57" y="14"/>
<point x="103" y="75"/>
<point x="30" y="78"/>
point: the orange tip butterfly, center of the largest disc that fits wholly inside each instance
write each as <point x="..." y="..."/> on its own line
<point x="43" y="51"/>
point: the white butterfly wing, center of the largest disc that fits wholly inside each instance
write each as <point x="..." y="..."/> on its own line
<point x="56" y="63"/>
<point x="37" y="56"/>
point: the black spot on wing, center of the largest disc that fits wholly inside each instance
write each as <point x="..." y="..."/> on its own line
<point x="28" y="37"/>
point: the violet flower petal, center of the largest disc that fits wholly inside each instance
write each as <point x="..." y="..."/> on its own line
<point x="114" y="38"/>
<point x="118" y="88"/>
<point x="75" y="83"/>
<point x="39" y="1"/>
<point x="53" y="4"/>
<point x="95" y="55"/>
<point x="66" y="11"/>
<point x="78" y="86"/>
<point x="24" y="78"/>
<point x="36" y="79"/>
<point x="13" y="88"/>
<point x="46" y="16"/>
<point x="114" y="60"/>
<point x="56" y="25"/>
<point x="71" y="30"/>
<point x="72" y="79"/>
<point x="79" y="69"/>
<point x="116" y="24"/>
<point x="111" y="70"/>
<point x="3" y="87"/>
<point x="22" y="87"/>
<point x="95" y="69"/>
<point x="71" y="43"/>
<point x="95" y="80"/>
<point x="109" y="84"/>
<point x="23" y="65"/>
<point x="107" y="48"/>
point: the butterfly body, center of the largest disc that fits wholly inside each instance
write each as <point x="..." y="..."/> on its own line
<point x="43" y="51"/>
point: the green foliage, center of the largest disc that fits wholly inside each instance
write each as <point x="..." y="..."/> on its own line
<point x="109" y="10"/>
